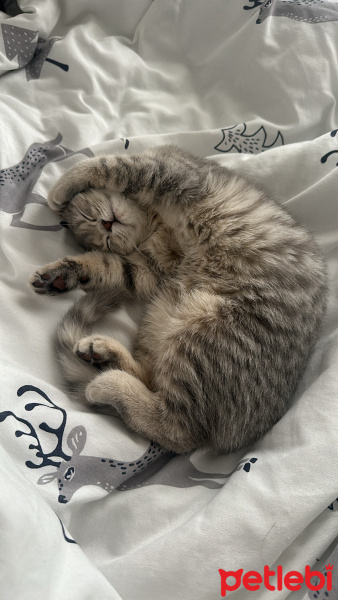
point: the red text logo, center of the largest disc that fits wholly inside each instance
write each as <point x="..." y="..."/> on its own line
<point x="292" y="580"/>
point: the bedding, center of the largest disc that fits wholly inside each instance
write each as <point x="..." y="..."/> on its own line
<point x="89" y="509"/>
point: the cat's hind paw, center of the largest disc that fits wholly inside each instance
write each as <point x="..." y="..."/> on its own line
<point x="93" y="350"/>
<point x="100" y="351"/>
<point x="58" y="277"/>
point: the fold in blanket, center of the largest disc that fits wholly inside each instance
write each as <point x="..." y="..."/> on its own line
<point x="89" y="509"/>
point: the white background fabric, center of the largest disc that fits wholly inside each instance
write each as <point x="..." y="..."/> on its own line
<point x="143" y="73"/>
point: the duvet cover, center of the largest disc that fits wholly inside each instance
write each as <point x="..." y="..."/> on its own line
<point x="254" y="85"/>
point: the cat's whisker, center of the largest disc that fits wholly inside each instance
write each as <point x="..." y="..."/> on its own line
<point x="134" y="245"/>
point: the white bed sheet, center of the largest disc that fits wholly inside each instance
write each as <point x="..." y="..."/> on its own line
<point x="255" y="89"/>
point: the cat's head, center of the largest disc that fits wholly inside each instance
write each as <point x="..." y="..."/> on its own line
<point x="106" y="221"/>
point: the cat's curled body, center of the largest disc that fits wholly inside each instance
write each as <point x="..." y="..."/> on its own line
<point x="235" y="292"/>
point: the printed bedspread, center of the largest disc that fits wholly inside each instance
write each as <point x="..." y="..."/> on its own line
<point x="87" y="509"/>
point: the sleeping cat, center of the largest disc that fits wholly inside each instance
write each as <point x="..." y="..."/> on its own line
<point x="235" y="293"/>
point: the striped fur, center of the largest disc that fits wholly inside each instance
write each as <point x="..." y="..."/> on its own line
<point x="235" y="290"/>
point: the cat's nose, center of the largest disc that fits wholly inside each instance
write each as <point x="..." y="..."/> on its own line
<point x="107" y="224"/>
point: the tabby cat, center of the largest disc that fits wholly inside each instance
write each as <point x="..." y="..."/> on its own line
<point x="235" y="293"/>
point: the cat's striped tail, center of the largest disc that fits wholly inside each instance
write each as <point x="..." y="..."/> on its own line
<point x="76" y="324"/>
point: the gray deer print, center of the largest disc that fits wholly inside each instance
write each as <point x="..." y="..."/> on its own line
<point x="307" y="11"/>
<point x="156" y="466"/>
<point x="17" y="182"/>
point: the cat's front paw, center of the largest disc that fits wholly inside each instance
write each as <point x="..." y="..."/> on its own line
<point x="75" y="181"/>
<point x="58" y="277"/>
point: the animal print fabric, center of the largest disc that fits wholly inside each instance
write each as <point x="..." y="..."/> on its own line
<point x="259" y="97"/>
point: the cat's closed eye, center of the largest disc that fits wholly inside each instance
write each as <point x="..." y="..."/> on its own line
<point x="85" y="216"/>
